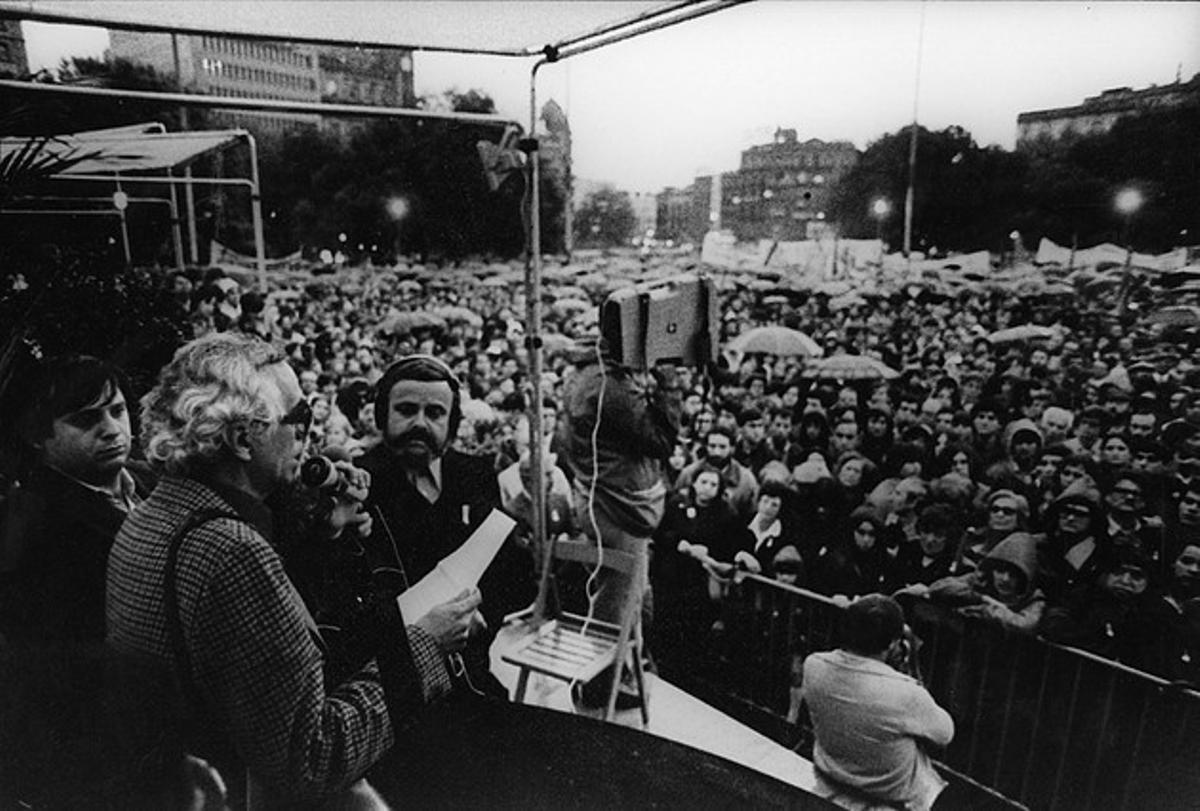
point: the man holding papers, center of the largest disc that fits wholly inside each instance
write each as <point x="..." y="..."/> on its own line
<point x="427" y="499"/>
<point x="197" y="589"/>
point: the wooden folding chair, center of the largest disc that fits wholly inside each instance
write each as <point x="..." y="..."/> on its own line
<point x="575" y="648"/>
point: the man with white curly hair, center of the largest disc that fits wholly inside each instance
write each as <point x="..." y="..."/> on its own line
<point x="195" y="585"/>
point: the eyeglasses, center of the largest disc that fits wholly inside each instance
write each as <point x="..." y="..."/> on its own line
<point x="1132" y="492"/>
<point x="1002" y="509"/>
<point x="300" y="417"/>
<point x="1075" y="512"/>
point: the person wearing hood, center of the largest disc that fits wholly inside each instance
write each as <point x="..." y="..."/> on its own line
<point x="1117" y="615"/>
<point x="1075" y="536"/>
<point x="1002" y="590"/>
<point x="1023" y="442"/>
<point x="1006" y="512"/>
<point x="859" y="564"/>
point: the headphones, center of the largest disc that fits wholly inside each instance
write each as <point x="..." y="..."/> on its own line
<point x="421" y="367"/>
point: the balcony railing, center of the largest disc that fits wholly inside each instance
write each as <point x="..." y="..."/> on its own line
<point x="1043" y="725"/>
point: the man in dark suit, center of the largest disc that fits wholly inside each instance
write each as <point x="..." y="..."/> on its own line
<point x="76" y="489"/>
<point x="427" y="498"/>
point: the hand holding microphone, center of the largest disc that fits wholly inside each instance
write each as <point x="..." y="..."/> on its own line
<point x="343" y="488"/>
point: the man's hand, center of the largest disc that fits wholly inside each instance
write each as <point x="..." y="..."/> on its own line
<point x="451" y="623"/>
<point x="348" y="502"/>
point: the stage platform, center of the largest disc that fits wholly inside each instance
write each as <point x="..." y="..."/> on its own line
<point x="674" y="715"/>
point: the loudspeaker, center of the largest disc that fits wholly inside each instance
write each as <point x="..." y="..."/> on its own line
<point x="671" y="320"/>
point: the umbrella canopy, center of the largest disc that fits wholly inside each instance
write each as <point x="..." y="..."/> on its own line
<point x="850" y="367"/>
<point x="570" y="306"/>
<point x="845" y="301"/>
<point x="780" y="341"/>
<point x="1025" y="332"/>
<point x="458" y="315"/>
<point x="1181" y="315"/>
<point x="402" y="323"/>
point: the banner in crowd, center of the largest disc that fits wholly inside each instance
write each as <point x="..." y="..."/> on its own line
<point x="1048" y="252"/>
<point x="223" y="254"/>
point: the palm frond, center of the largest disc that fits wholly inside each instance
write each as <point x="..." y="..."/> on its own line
<point x="34" y="161"/>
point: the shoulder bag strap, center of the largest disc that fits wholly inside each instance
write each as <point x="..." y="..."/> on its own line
<point x="183" y="659"/>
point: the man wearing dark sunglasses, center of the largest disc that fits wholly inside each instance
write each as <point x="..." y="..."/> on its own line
<point x="195" y="586"/>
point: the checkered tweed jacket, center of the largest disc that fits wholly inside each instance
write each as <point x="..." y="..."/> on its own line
<point x="255" y="650"/>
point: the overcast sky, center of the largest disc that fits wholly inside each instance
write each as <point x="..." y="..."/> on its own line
<point x="664" y="107"/>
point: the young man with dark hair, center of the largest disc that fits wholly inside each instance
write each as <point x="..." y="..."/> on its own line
<point x="74" y="491"/>
<point x="872" y="720"/>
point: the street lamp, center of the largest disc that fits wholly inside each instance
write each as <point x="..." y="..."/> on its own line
<point x="880" y="210"/>
<point x="1127" y="202"/>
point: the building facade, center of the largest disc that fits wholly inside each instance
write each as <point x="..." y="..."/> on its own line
<point x="242" y="68"/>
<point x="1098" y="114"/>
<point x="14" y="62"/>
<point x="782" y="191"/>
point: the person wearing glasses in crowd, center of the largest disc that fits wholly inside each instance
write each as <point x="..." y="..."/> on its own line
<point x="1006" y="513"/>
<point x="196" y="587"/>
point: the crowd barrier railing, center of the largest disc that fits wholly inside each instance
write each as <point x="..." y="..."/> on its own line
<point x="1046" y="726"/>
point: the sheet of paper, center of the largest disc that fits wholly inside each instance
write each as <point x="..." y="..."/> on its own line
<point x="459" y="570"/>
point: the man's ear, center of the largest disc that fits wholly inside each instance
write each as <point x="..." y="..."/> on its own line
<point x="240" y="442"/>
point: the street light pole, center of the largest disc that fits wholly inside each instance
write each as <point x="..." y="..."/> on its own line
<point x="879" y="210"/>
<point x="1128" y="202"/>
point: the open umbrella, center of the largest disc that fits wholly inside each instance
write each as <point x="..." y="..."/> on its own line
<point x="780" y="341"/>
<point x="850" y="367"/>
<point x="1024" y="332"/>
<point x="402" y="323"/>
<point x="1180" y="315"/>
<point x="458" y="315"/>
<point x="570" y="306"/>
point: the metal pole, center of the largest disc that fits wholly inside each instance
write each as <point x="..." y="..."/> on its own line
<point x="189" y="196"/>
<point x="124" y="230"/>
<point x="569" y="205"/>
<point x="912" y="147"/>
<point x="183" y="113"/>
<point x="1126" y="271"/>
<point x="260" y="251"/>
<point x="533" y="308"/>
<point x="176" y="228"/>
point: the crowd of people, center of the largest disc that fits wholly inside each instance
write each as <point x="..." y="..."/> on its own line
<point x="1049" y="486"/>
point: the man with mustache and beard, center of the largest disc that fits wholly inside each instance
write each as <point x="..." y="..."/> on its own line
<point x="427" y="498"/>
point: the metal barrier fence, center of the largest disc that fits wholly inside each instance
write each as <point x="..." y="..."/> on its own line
<point x="1048" y="726"/>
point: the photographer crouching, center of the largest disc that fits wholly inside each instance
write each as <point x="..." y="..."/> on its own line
<point x="196" y="586"/>
<point x="871" y="717"/>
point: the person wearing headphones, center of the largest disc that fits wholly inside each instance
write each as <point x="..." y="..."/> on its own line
<point x="426" y="499"/>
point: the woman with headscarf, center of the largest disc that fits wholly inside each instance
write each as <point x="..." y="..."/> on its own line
<point x="858" y="563"/>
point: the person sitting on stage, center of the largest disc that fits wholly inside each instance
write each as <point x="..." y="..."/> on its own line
<point x="872" y="721"/>
<point x="196" y="587"/>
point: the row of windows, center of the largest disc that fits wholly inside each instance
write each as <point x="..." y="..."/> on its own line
<point x="229" y="70"/>
<point x="257" y="50"/>
<point x="813" y="160"/>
